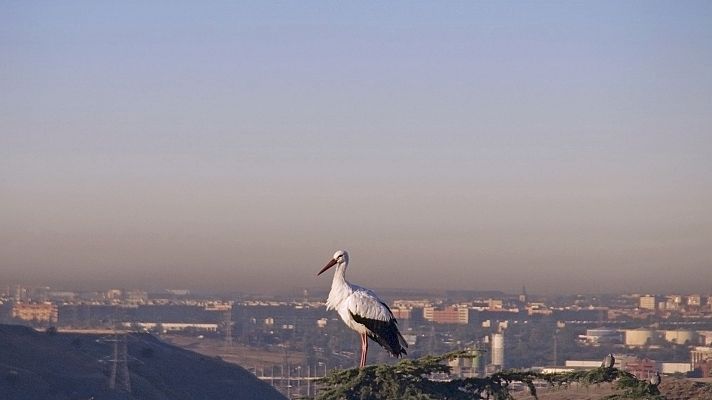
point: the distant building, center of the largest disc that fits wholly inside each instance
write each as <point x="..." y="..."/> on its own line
<point x="705" y="368"/>
<point x="178" y="292"/>
<point x="681" y="337"/>
<point x="648" y="303"/>
<point x="571" y="364"/>
<point x="642" y="368"/>
<point x="172" y="326"/>
<point x="675" y="368"/>
<point x="639" y="337"/>
<point x="401" y="312"/>
<point x="448" y="315"/>
<point x="38" y="312"/>
<point x="114" y="294"/>
<point x="412" y="303"/>
<point x="538" y="309"/>
<point x="495" y="304"/>
<point x="705" y="337"/>
<point x="466" y="366"/>
<point x="21" y="294"/>
<point x="410" y="338"/>
<point x="498" y="350"/>
<point x="218" y="306"/>
<point x="700" y="355"/>
<point x="596" y="337"/>
<point x="694" y="300"/>
<point x="523" y="295"/>
<point x="674" y="302"/>
<point x="137" y="296"/>
<point x="62" y="295"/>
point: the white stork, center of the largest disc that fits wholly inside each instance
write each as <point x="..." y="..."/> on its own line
<point x="362" y="311"/>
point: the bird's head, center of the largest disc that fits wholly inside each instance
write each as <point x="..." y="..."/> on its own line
<point x="341" y="257"/>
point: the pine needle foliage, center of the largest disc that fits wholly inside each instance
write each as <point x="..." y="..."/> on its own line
<point x="631" y="388"/>
<point x="427" y="378"/>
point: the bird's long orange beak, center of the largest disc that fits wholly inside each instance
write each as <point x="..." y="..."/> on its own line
<point x="329" y="265"/>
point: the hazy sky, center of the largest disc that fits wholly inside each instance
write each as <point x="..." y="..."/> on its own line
<point x="463" y="145"/>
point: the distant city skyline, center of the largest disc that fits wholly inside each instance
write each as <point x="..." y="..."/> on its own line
<point x="314" y="292"/>
<point x="565" y="146"/>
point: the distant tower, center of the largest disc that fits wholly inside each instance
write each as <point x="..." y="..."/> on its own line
<point x="75" y="316"/>
<point x="431" y="341"/>
<point x="228" y="328"/>
<point x="556" y="345"/>
<point x="20" y="294"/>
<point x="498" y="349"/>
<point x="523" y="295"/>
<point x="120" y="379"/>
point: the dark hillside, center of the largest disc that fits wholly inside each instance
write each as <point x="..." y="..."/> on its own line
<point x="42" y="366"/>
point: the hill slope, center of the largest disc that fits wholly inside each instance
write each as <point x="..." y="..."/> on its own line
<point x="40" y="366"/>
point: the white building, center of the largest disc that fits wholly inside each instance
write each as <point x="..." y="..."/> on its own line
<point x="498" y="349"/>
<point x="173" y="326"/>
<point x="681" y="336"/>
<point x="599" y="336"/>
<point x="639" y="337"/>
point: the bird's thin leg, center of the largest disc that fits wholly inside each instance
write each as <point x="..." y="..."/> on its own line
<point x="364" y="345"/>
<point x="365" y="349"/>
<point x="361" y="363"/>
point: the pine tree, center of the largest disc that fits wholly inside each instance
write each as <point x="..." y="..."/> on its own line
<point x="422" y="379"/>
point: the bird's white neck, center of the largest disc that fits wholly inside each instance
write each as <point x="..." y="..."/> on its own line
<point x="339" y="287"/>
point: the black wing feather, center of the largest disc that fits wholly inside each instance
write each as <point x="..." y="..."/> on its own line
<point x="384" y="333"/>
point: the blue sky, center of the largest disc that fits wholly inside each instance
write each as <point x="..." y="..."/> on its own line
<point x="226" y="145"/>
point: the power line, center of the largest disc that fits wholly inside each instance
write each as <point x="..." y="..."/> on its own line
<point x="119" y="378"/>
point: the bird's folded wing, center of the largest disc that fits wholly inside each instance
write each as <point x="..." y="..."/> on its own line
<point x="364" y="303"/>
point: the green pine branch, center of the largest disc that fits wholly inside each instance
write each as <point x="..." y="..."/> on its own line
<point x="419" y="380"/>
